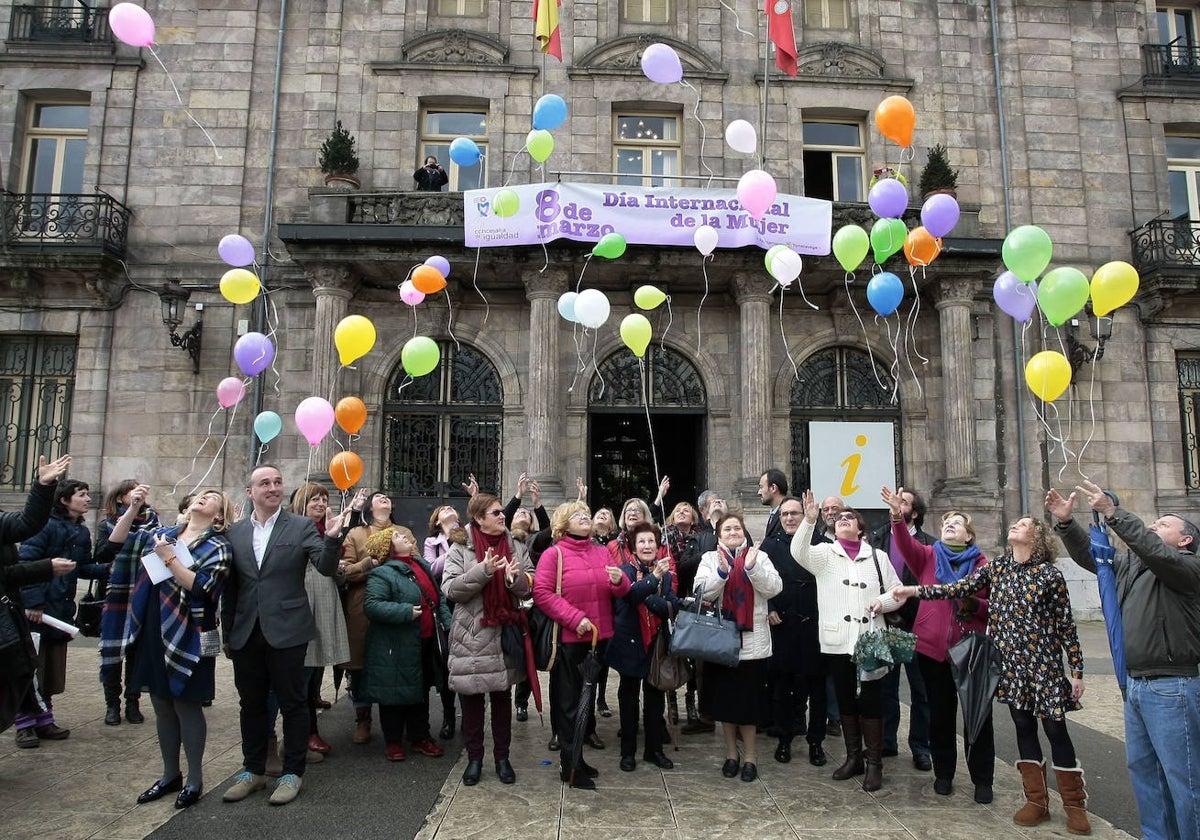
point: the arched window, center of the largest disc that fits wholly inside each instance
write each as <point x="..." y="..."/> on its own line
<point x="443" y="426"/>
<point x="838" y="384"/>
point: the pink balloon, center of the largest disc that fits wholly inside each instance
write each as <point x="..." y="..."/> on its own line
<point x="132" y="24"/>
<point x="314" y="419"/>
<point x="410" y="294"/>
<point x="756" y="192"/>
<point x="230" y="391"/>
<point x="236" y="250"/>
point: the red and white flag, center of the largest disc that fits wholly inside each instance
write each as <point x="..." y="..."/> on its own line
<point x="779" y="30"/>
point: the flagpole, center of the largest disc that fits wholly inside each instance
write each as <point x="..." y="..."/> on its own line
<point x="762" y="132"/>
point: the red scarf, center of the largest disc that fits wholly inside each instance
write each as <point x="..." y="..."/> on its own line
<point x="648" y="622"/>
<point x="738" y="599"/>
<point x="429" y="596"/>
<point x="498" y="606"/>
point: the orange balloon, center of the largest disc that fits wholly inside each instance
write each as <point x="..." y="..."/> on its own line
<point x="921" y="248"/>
<point x="350" y="413"/>
<point x="345" y="469"/>
<point x="427" y="279"/>
<point x="896" y="119"/>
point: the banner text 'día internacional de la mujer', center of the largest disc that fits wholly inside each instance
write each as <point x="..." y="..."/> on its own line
<point x="644" y="216"/>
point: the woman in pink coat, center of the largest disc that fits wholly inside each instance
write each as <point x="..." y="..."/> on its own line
<point x="590" y="581"/>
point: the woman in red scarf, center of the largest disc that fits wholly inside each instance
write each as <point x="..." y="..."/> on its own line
<point x="744" y="579"/>
<point x="639" y="615"/>
<point x="485" y="578"/>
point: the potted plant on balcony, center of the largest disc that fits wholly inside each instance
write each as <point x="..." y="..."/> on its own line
<point x="937" y="176"/>
<point x="338" y="161"/>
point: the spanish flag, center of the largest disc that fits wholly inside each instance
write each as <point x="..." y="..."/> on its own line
<point x="545" y="29"/>
<point x="779" y="30"/>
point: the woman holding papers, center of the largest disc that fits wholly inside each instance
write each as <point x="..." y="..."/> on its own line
<point x="162" y="597"/>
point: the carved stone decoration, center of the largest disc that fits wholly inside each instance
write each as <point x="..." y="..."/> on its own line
<point x="328" y="276"/>
<point x="625" y="54"/>
<point x="833" y="58"/>
<point x="455" y="46"/>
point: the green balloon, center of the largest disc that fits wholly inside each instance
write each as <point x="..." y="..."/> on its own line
<point x="505" y="203"/>
<point x="887" y="237"/>
<point x="850" y="246"/>
<point x="540" y="144"/>
<point x="770" y="256"/>
<point x="420" y="355"/>
<point x="1061" y="294"/>
<point x="1027" y="251"/>
<point x="610" y="246"/>
<point x="636" y="332"/>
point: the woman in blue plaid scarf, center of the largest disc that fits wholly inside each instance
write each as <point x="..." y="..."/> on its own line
<point x="160" y="627"/>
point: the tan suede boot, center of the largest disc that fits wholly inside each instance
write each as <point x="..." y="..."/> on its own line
<point x="1037" y="802"/>
<point x="362" y="725"/>
<point x="1074" y="797"/>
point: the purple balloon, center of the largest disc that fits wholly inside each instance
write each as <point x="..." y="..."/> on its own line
<point x="661" y="64"/>
<point x="1014" y="297"/>
<point x="253" y="353"/>
<point x="888" y="198"/>
<point x="939" y="214"/>
<point x="236" y="250"/>
<point x="440" y="263"/>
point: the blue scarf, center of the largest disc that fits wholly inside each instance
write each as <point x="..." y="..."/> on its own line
<point x="951" y="566"/>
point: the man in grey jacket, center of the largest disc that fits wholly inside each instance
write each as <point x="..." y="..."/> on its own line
<point x="1158" y="587"/>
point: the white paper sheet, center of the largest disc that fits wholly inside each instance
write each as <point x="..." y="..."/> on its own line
<point x="51" y="621"/>
<point x="158" y="570"/>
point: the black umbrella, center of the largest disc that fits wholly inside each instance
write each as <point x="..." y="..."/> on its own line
<point x="590" y="668"/>
<point x="975" y="664"/>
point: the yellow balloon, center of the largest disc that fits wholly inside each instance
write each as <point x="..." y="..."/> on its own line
<point x="648" y="297"/>
<point x="354" y="337"/>
<point x="1048" y="374"/>
<point x="635" y="332"/>
<point x="1113" y="285"/>
<point x="238" y="285"/>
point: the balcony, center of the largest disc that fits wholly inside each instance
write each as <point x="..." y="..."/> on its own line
<point x="1166" y="245"/>
<point x="52" y="222"/>
<point x="50" y="24"/>
<point x="1175" y="64"/>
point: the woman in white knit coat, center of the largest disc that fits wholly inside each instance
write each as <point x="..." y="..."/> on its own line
<point x="851" y="577"/>
<point x="744" y="579"/>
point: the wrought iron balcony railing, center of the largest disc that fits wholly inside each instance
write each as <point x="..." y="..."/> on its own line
<point x="1166" y="244"/>
<point x="50" y="24"/>
<point x="1171" y="61"/>
<point x="48" y="221"/>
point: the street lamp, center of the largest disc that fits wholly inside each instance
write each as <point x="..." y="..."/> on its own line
<point x="174" y="298"/>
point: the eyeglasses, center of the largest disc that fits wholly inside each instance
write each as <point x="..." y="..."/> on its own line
<point x="845" y="517"/>
<point x="496" y="512"/>
<point x="784" y="513"/>
<point x="581" y="516"/>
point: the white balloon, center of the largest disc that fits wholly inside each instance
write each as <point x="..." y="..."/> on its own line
<point x="705" y="238"/>
<point x="786" y="267"/>
<point x="741" y="137"/>
<point x="566" y="306"/>
<point x="591" y="308"/>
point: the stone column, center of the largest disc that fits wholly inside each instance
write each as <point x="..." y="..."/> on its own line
<point x="955" y="296"/>
<point x="542" y="290"/>
<point x="333" y="286"/>
<point x="753" y="297"/>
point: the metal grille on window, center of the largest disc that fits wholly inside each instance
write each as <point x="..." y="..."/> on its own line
<point x="1189" y="401"/>
<point x="443" y="426"/>
<point x="37" y="378"/>
<point x="671" y="381"/>
<point x="838" y="384"/>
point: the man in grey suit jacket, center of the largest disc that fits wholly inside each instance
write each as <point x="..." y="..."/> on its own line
<point x="268" y="624"/>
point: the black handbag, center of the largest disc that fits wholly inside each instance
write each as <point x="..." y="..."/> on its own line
<point x="17" y="657"/>
<point x="708" y="638"/>
<point x="543" y="631"/>
<point x="91" y="609"/>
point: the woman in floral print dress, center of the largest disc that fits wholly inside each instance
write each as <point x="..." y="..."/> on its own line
<point x="1031" y="624"/>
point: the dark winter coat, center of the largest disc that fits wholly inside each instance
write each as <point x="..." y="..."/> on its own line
<point x="66" y="538"/>
<point x="795" y="641"/>
<point x="627" y="650"/>
<point x="392" y="671"/>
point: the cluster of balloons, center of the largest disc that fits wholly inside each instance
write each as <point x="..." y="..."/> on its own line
<point x="426" y="279"/>
<point x="589" y="308"/>
<point x="239" y="284"/>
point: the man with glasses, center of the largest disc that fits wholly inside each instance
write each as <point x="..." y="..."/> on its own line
<point x="831" y="506"/>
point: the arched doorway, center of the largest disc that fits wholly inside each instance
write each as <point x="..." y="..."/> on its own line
<point x="437" y="430"/>
<point x="839" y="385"/>
<point x="621" y="463"/>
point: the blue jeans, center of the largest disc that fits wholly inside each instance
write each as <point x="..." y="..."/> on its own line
<point x="1162" y="747"/>
<point x="918" y="721"/>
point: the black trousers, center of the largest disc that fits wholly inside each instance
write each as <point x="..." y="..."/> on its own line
<point x="654" y="702"/>
<point x="794" y="695"/>
<point x="852" y="700"/>
<point x="943" y="727"/>
<point x="112" y="684"/>
<point x="412" y="718"/>
<point x="257" y="669"/>
<point x="566" y="686"/>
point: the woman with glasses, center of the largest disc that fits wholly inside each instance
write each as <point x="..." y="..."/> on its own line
<point x="581" y="606"/>
<point x="743" y="580"/>
<point x="486" y="577"/>
<point x="939" y="626"/>
<point x="851" y="575"/>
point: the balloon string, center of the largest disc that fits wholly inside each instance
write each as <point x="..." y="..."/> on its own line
<point x="487" y="306"/>
<point x="408" y="380"/>
<point x="703" y="267"/>
<point x="195" y="456"/>
<point x="1092" y="427"/>
<point x="450" y="320"/>
<point x="912" y="316"/>
<point x="737" y="22"/>
<point x="703" y="132"/>
<point x="224" y="439"/>
<point x="804" y="296"/>
<point x="586" y="262"/>
<point x="670" y="320"/>
<point x="787" y="345"/>
<point x="512" y="168"/>
<point x="262" y="450"/>
<point x="603" y="384"/>
<point x="649" y="423"/>
<point x="909" y="340"/>
<point x="182" y="105"/>
<point x="312" y="451"/>
<point x="896" y="343"/>
<point x="580" y="367"/>
<point x="272" y="317"/>
<point x="866" y="340"/>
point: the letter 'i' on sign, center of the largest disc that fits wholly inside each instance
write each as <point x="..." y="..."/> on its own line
<point x="851" y="464"/>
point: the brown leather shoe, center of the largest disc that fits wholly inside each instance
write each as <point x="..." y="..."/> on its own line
<point x="52" y="732"/>
<point x="27" y="739"/>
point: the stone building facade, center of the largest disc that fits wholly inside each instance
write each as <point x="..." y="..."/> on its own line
<point x="1078" y="117"/>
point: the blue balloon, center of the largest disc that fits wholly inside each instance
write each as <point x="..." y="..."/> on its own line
<point x="464" y="151"/>
<point x="550" y="112"/>
<point x="884" y="292"/>
<point x="267" y="425"/>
